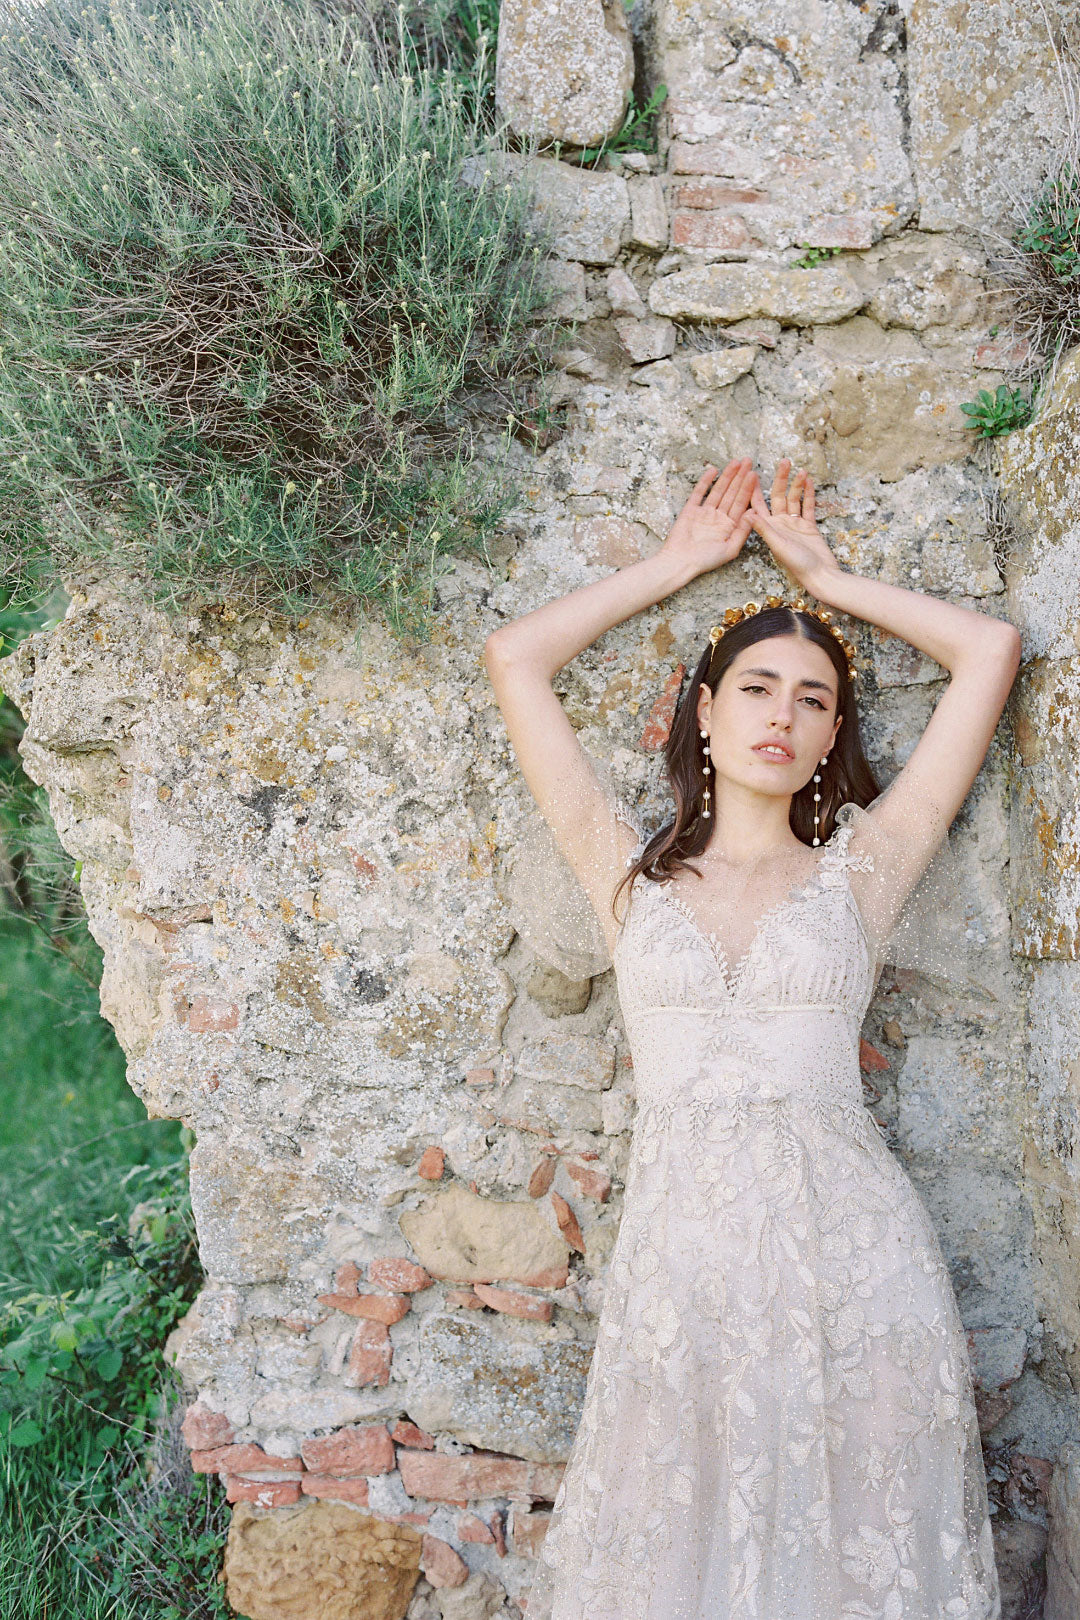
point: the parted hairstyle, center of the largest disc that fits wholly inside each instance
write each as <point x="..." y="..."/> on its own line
<point x="845" y="776"/>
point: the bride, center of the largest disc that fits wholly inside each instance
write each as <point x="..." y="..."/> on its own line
<point x="778" y="1421"/>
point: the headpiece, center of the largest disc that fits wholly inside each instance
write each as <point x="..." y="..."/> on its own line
<point x="736" y="615"/>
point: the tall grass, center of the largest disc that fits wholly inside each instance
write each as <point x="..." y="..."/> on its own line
<point x="100" y="1515"/>
<point x="263" y="292"/>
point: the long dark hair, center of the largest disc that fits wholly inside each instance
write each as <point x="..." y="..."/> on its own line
<point x="846" y="776"/>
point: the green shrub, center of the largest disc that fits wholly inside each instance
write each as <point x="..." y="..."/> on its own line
<point x="251" y="313"/>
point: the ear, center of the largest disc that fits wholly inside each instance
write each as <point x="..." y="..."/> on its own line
<point x="704" y="703"/>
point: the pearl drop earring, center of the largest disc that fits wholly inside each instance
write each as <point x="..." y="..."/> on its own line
<point x="817" y="799"/>
<point x="705" y="774"/>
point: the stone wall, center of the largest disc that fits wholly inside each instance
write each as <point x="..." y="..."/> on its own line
<point x="412" y="1133"/>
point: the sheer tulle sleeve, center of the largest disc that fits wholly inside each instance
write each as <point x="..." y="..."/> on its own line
<point x="910" y="897"/>
<point x="556" y="909"/>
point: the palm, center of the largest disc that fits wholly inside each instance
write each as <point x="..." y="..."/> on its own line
<point x="712" y="527"/>
<point x="789" y="529"/>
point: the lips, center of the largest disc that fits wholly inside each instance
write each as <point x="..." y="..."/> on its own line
<point x="785" y="753"/>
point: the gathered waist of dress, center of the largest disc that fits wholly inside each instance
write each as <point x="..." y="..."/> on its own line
<point x="808" y="1051"/>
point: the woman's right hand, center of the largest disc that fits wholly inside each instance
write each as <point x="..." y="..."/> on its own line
<point x="713" y="525"/>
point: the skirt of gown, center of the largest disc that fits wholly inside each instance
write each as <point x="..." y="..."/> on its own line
<point x="778" y="1421"/>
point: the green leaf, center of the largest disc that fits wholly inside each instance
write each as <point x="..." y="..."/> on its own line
<point x="108" y="1364"/>
<point x="25" y="1434"/>
<point x="37" y="1370"/>
<point x="107" y="1436"/>
<point x="64" y="1337"/>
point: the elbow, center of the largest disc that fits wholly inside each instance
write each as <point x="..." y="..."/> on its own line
<point x="496" y="651"/>
<point x="1012" y="645"/>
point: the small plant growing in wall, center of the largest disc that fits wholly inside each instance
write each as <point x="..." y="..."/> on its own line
<point x="813" y="256"/>
<point x="637" y="133"/>
<point x="991" y="414"/>
<point x="264" y="290"/>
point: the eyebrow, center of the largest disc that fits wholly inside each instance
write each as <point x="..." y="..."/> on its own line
<point x="774" y="675"/>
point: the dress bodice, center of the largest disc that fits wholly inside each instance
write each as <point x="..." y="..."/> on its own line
<point x="784" y="1022"/>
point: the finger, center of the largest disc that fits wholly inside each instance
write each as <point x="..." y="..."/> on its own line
<point x="779" y="486"/>
<point x="739" y="493"/>
<point x="701" y="488"/>
<point x="723" y="483"/>
<point x="798" y="490"/>
<point x="808" y="500"/>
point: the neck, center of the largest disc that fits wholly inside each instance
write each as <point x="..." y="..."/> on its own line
<point x="747" y="824"/>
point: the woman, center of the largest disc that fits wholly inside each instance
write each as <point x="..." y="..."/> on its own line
<point x="778" y="1421"/>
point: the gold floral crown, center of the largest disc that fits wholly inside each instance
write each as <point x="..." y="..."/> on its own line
<point x="735" y="615"/>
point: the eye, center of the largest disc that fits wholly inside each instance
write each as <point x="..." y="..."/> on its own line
<point x="754" y="687"/>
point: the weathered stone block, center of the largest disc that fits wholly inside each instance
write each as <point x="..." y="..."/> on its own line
<point x="718" y="368"/>
<point x="733" y="292"/>
<point x="588" y="210"/>
<point x="515" y="1392"/>
<point x="1063" y="1548"/>
<point x="1040" y="474"/>
<point x="1044" y="871"/>
<point x="320" y="1558"/>
<point x="465" y="1238"/>
<point x="798" y="105"/>
<point x="648" y="211"/>
<point x="564" y="68"/>
<point x="986" y="106"/>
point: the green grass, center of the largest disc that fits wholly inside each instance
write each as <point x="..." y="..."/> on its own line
<point x="86" y="1300"/>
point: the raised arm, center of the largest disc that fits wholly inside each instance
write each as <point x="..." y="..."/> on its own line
<point x="523" y="657"/>
<point x="981" y="654"/>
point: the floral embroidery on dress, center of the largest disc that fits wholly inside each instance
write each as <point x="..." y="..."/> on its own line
<point x="778" y="1421"/>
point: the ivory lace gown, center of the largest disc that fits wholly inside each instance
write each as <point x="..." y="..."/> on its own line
<point x="778" y="1420"/>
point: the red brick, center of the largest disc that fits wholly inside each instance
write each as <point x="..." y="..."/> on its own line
<point x="662" y="713"/>
<point x="206" y="1015"/>
<point x="471" y="1527"/>
<point x="363" y="1448"/>
<point x="527" y="1532"/>
<point x="401" y="1276"/>
<point x="479" y="1077"/>
<point x="870" y="1057"/>
<point x="716" y="193"/>
<point x="441" y="1564"/>
<point x="268" y="1494"/>
<point x="594" y="1181"/>
<point x="461" y="1479"/>
<point x="204" y="1428"/>
<point x="336" y="1490"/>
<point x="513" y="1303"/>
<point x="432" y="1164"/>
<point x="388" y="1308"/>
<point x="568" y="1224"/>
<point x="370" y="1355"/>
<point x="465" y="1298"/>
<point x="404" y="1433"/>
<point x="1001" y="354"/>
<point x="347" y="1278"/>
<point x="721" y="233"/>
<point x="243" y="1459"/>
<point x="420" y="1517"/>
<point x="541" y="1178"/>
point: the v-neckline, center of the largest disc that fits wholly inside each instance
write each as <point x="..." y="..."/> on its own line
<point x="733" y="979"/>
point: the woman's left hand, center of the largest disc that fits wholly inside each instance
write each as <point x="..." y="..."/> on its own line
<point x="789" y="529"/>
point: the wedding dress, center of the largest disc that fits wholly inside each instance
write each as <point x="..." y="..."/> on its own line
<point x="778" y="1421"/>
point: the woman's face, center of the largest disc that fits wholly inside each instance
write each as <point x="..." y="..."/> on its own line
<point x="781" y="691"/>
